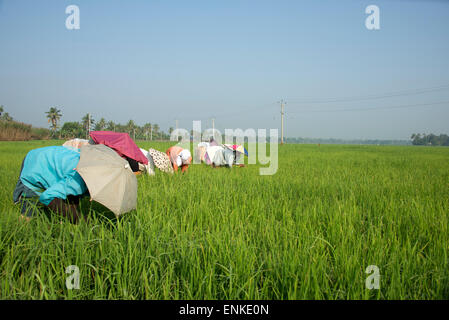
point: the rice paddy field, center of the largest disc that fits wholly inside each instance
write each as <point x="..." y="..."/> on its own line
<point x="307" y="232"/>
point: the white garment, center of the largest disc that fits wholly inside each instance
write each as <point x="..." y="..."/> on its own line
<point x="228" y="157"/>
<point x="149" y="168"/>
<point x="220" y="156"/>
<point x="211" y="151"/>
<point x="76" y="143"/>
<point x="178" y="161"/>
<point x="185" y="156"/>
<point x="145" y="152"/>
<point x="204" y="144"/>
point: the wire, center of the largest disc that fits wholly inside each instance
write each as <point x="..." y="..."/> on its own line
<point x="376" y="108"/>
<point x="262" y="108"/>
<point x="243" y="110"/>
<point x="373" y="97"/>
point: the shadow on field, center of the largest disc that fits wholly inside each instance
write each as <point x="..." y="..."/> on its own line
<point x="96" y="212"/>
<point x="91" y="210"/>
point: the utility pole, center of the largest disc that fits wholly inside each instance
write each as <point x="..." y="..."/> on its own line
<point x="151" y="134"/>
<point x="88" y="125"/>
<point x="282" y="102"/>
<point x="176" y="124"/>
<point x="213" y="127"/>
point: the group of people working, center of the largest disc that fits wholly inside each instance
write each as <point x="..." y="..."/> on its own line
<point x="48" y="178"/>
<point x="220" y="155"/>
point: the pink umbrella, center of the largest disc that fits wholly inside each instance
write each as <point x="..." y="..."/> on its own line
<point x="121" y="143"/>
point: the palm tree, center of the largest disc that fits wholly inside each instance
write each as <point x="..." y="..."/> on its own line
<point x="54" y="115"/>
<point x="131" y="128"/>
<point x="87" y="125"/>
<point x="110" y="126"/>
<point x="156" y="129"/>
<point x="139" y="132"/>
<point x="100" y="125"/>
<point x="146" y="130"/>
<point x="6" y="117"/>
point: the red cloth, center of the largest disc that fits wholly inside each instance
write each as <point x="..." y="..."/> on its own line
<point x="121" y="143"/>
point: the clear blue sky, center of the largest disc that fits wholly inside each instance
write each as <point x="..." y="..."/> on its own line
<point x="157" y="61"/>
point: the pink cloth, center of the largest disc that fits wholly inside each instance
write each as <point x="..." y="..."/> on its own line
<point x="121" y="143"/>
<point x="173" y="153"/>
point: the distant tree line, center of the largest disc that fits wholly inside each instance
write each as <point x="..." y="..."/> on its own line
<point x="419" y="139"/>
<point x="347" y="141"/>
<point x="80" y="129"/>
<point x="14" y="130"/>
<point x="11" y="130"/>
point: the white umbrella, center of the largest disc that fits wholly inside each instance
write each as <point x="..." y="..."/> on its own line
<point x="108" y="177"/>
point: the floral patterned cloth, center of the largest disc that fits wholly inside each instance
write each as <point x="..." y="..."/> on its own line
<point x="160" y="160"/>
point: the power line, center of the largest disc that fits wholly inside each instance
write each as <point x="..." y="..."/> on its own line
<point x="242" y="109"/>
<point x="376" y="108"/>
<point x="373" y="96"/>
<point x="263" y="108"/>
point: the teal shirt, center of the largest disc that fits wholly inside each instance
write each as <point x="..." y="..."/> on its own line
<point x="49" y="172"/>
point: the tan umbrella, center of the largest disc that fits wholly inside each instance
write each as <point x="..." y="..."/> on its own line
<point x="108" y="177"/>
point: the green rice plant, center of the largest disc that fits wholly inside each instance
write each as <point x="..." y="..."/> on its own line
<point x="307" y="232"/>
